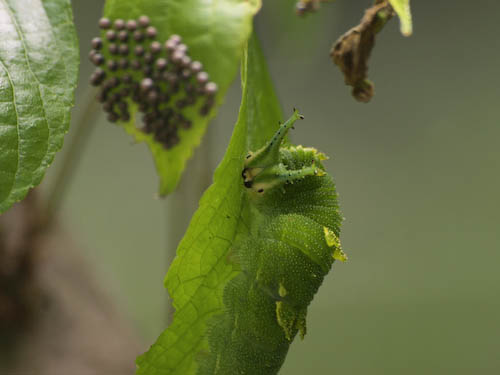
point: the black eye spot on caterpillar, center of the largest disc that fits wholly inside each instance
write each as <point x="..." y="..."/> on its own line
<point x="292" y="242"/>
<point x="128" y="51"/>
<point x="246" y="181"/>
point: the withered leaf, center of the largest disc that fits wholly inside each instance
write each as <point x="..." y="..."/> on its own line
<point x="353" y="49"/>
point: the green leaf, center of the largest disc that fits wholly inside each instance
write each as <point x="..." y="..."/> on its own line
<point x="402" y="8"/>
<point x="215" y="32"/>
<point x="203" y="266"/>
<point x="38" y="74"/>
<point x="259" y="233"/>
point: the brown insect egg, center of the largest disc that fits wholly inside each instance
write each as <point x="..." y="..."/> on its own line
<point x="113" y="48"/>
<point x="175" y="38"/>
<point x="177" y="56"/>
<point x="123" y="50"/>
<point x="110" y="35"/>
<point x="143" y="21"/>
<point x="119" y="24"/>
<point x="151" y="32"/>
<point x="170" y="45"/>
<point x="96" y="43"/>
<point x="123" y="36"/>
<point x="104" y="23"/>
<point x="161" y="64"/>
<point x="155" y="47"/>
<point x="131" y="25"/>
<point x="147" y="84"/>
<point x="139" y="50"/>
<point x="196" y="66"/>
<point x="210" y="88"/>
<point x="182" y="47"/>
<point x="138" y="36"/>
<point x="112" y="65"/>
<point x="148" y="58"/>
<point x="202" y="77"/>
<point x="97" y="59"/>
<point x="186" y="61"/>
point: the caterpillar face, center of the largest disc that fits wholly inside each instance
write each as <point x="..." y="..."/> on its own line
<point x="268" y="167"/>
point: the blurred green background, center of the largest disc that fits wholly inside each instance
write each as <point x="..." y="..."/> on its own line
<point x="417" y="170"/>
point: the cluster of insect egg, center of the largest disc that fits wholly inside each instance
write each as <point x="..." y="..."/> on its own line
<point x="160" y="78"/>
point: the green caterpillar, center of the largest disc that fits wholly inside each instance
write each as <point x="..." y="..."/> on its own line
<point x="291" y="246"/>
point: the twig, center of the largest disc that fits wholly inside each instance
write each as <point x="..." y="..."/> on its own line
<point x="83" y="128"/>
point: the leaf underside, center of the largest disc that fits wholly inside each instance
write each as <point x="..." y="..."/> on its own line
<point x="215" y="33"/>
<point x="38" y="74"/>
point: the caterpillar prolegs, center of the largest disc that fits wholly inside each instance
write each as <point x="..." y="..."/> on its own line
<point x="291" y="246"/>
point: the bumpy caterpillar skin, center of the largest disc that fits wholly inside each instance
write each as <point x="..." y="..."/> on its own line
<point x="292" y="244"/>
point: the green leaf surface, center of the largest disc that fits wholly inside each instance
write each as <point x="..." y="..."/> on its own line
<point x="203" y="263"/>
<point x="215" y="33"/>
<point x="38" y="74"/>
<point x="402" y="8"/>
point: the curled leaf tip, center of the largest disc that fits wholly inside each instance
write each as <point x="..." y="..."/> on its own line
<point x="332" y="240"/>
<point x="402" y="9"/>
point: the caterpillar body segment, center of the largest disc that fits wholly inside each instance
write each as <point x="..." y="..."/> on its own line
<point x="283" y="259"/>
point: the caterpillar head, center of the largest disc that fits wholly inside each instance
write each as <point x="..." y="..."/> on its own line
<point x="260" y="180"/>
<point x="262" y="169"/>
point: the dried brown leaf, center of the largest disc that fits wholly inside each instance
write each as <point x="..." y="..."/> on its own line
<point x="353" y="49"/>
